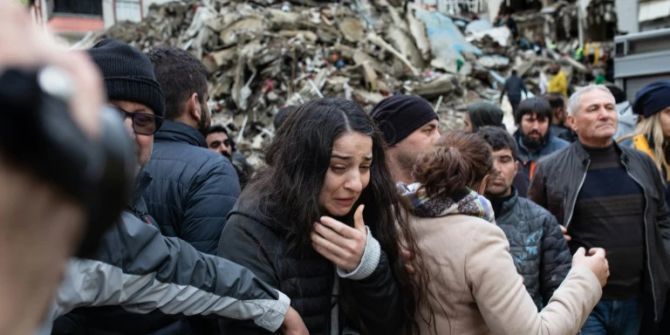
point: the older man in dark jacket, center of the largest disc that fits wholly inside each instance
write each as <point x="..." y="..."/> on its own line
<point x="612" y="197"/>
<point x="193" y="188"/>
<point x="538" y="248"/>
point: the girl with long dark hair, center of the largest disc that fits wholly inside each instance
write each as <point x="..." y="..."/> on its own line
<point x="322" y="223"/>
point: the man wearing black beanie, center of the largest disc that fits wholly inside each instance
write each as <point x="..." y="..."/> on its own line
<point x="132" y="88"/>
<point x="410" y="127"/>
<point x="138" y="276"/>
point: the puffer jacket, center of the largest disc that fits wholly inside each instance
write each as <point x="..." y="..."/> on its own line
<point x="538" y="248"/>
<point x="193" y="188"/>
<point x="139" y="271"/>
<point x="558" y="180"/>
<point x="258" y="242"/>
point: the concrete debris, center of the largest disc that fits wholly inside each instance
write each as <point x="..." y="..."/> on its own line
<point x="264" y="55"/>
<point x="494" y="61"/>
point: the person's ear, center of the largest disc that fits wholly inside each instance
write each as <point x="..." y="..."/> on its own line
<point x="570" y="122"/>
<point x="193" y="107"/>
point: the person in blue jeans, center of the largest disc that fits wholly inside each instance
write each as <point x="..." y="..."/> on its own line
<point x="614" y="317"/>
<point x="613" y="197"/>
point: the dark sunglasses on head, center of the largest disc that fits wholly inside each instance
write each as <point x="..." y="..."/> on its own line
<point x="143" y="123"/>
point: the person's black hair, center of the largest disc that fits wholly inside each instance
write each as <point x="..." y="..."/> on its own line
<point x="499" y="139"/>
<point x="555" y="100"/>
<point x="485" y="114"/>
<point x="297" y="162"/>
<point x="514" y="72"/>
<point x="180" y="75"/>
<point x="618" y="93"/>
<point x="534" y="105"/>
<point x="217" y="128"/>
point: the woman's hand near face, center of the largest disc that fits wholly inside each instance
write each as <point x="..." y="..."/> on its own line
<point x="339" y="243"/>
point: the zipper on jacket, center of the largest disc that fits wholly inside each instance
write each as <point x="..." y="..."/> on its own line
<point x="646" y="207"/>
<point x="574" y="202"/>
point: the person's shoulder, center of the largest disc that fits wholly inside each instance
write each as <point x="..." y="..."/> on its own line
<point x="556" y="157"/>
<point x="531" y="208"/>
<point x="643" y="158"/>
<point x="457" y="225"/>
<point x="557" y="143"/>
<point x="632" y="152"/>
<point x="475" y="226"/>
<point x="465" y="234"/>
<point x="206" y="161"/>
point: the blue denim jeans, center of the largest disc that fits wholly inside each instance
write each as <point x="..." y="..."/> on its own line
<point x="614" y="317"/>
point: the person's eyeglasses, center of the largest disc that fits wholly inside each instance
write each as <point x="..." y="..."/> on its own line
<point x="143" y="123"/>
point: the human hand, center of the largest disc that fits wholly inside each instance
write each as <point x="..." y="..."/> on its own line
<point x="293" y="324"/>
<point x="25" y="45"/>
<point x="565" y="232"/>
<point x="595" y="261"/>
<point x="339" y="243"/>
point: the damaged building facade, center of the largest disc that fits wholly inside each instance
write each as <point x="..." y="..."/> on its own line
<point x="267" y="54"/>
<point x="73" y="19"/>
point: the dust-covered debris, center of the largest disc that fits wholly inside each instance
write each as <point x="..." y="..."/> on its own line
<point x="264" y="55"/>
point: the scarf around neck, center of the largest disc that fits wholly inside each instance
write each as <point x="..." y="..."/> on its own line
<point x="422" y="205"/>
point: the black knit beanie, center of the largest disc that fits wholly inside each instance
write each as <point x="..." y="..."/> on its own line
<point x="129" y="74"/>
<point x="400" y="115"/>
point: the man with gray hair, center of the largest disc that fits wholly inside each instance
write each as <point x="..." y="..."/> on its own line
<point x="610" y="196"/>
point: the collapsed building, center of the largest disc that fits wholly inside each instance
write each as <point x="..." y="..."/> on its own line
<point x="264" y="55"/>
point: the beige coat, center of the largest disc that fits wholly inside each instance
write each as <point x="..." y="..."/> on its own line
<point x="479" y="291"/>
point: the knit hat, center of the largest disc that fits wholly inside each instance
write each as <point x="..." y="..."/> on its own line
<point x="652" y="98"/>
<point x="128" y="74"/>
<point x="400" y="115"/>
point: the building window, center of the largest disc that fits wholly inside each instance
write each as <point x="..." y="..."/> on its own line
<point x="78" y="7"/>
<point x="128" y="10"/>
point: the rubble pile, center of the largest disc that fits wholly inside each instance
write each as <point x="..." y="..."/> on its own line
<point x="264" y="55"/>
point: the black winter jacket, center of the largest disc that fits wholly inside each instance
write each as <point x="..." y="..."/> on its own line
<point x="193" y="188"/>
<point x="257" y="242"/>
<point x="540" y="253"/>
<point x="558" y="180"/>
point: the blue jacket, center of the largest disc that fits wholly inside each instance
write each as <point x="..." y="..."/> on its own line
<point x="540" y="252"/>
<point x="192" y="189"/>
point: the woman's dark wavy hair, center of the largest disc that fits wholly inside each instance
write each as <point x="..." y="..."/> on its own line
<point x="298" y="159"/>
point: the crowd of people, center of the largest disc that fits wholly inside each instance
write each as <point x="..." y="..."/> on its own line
<point x="359" y="222"/>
